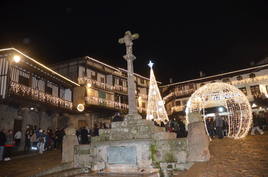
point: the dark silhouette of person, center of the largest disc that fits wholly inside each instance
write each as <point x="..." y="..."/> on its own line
<point x="219" y="125"/>
<point x="84" y="136"/>
<point x="117" y="118"/>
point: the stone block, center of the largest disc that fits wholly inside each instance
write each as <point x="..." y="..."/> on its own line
<point x="198" y="143"/>
<point x="180" y="156"/>
<point x="69" y="141"/>
<point x="183" y="166"/>
<point x="164" y="136"/>
<point x="98" y="166"/>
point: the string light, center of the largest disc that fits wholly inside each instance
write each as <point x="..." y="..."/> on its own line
<point x="239" y="113"/>
<point x="22" y="90"/>
<point x="40" y="64"/>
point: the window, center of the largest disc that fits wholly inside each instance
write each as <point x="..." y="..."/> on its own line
<point x="252" y="75"/>
<point x="24" y="80"/>
<point x="244" y="90"/>
<point x="191" y="86"/>
<point x="102" y="80"/>
<point x="143" y="104"/>
<point x="255" y="91"/>
<point x="48" y="90"/>
<point x="225" y="80"/>
<point x="178" y="103"/>
<point x="120" y="82"/>
<point x="239" y="78"/>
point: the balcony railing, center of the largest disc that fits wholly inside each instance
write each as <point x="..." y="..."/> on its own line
<point x="109" y="103"/>
<point x="97" y="84"/>
<point x="184" y="92"/>
<point x="104" y="102"/>
<point x="38" y="95"/>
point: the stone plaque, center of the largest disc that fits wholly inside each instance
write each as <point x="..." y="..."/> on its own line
<point x="122" y="155"/>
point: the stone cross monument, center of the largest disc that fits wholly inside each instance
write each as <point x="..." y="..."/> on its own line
<point x="132" y="105"/>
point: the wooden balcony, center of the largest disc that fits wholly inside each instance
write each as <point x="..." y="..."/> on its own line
<point x="106" y="103"/>
<point x="40" y="96"/>
<point x="110" y="104"/>
<point x="104" y="86"/>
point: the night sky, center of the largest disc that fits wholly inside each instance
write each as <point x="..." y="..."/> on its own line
<point x="182" y="39"/>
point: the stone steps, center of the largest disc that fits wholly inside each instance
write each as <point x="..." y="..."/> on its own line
<point x="67" y="173"/>
<point x="118" y="175"/>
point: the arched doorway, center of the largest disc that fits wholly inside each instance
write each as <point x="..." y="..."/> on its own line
<point x="228" y="101"/>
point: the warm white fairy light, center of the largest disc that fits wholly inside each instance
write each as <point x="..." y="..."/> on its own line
<point x="156" y="108"/>
<point x="239" y="113"/>
<point x="22" y="90"/>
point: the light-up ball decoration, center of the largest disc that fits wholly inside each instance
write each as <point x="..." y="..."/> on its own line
<point x="238" y="112"/>
<point x="80" y="107"/>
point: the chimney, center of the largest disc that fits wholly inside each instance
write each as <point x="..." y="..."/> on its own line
<point x="170" y="80"/>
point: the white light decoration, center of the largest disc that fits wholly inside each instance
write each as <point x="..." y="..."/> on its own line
<point x="220" y="109"/>
<point x="155" y="108"/>
<point x="89" y="85"/>
<point x="239" y="113"/>
<point x="80" y="107"/>
<point x="16" y="58"/>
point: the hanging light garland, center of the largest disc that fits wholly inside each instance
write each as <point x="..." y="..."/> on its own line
<point x="38" y="95"/>
<point x="239" y="113"/>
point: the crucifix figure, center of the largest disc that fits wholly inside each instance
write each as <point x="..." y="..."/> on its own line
<point x="127" y="40"/>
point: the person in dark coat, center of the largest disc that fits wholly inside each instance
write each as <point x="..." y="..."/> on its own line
<point x="256" y="125"/>
<point x="219" y="125"/>
<point x="2" y="144"/>
<point x="84" y="136"/>
<point x="117" y="118"/>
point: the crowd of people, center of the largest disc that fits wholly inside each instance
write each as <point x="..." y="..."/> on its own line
<point x="173" y="125"/>
<point x="35" y="140"/>
<point x="217" y="126"/>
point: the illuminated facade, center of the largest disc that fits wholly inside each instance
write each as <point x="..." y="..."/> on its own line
<point x="32" y="93"/>
<point x="103" y="87"/>
<point x="253" y="82"/>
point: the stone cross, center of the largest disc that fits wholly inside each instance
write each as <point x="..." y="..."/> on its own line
<point x="127" y="40"/>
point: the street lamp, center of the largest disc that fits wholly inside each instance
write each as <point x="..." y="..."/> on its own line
<point x="16" y="58"/>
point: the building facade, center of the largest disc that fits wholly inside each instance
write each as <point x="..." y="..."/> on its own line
<point x="32" y="94"/>
<point x="103" y="90"/>
<point x="253" y="82"/>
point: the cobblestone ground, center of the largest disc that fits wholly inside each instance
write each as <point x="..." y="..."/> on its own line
<point x="29" y="165"/>
<point x="230" y="158"/>
<point x="247" y="157"/>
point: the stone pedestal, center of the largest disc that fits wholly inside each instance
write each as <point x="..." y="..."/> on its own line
<point x="198" y="142"/>
<point x="69" y="141"/>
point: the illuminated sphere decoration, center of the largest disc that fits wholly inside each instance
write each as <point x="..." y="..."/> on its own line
<point x="80" y="107"/>
<point x="232" y="104"/>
